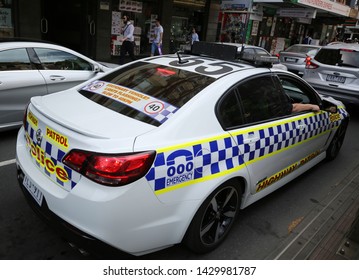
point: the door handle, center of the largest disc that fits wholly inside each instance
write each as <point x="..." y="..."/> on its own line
<point x="57" y="78"/>
<point x="44" y="25"/>
<point x="92" y="28"/>
<point x="250" y="139"/>
<point x="301" y="126"/>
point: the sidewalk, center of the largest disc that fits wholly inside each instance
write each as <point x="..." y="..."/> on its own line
<point x="331" y="230"/>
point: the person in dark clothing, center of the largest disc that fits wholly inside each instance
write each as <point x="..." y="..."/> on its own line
<point x="128" y="40"/>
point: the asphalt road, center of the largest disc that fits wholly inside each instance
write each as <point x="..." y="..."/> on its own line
<point x="260" y="229"/>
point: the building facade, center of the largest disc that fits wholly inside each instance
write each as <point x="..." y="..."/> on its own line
<point x="277" y="24"/>
<point x="93" y="27"/>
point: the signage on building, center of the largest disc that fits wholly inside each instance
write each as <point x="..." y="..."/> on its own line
<point x="255" y="26"/>
<point x="256" y="13"/>
<point x="354" y="13"/>
<point x="297" y="12"/>
<point x="235" y="5"/>
<point x="327" y="5"/>
<point x="195" y="3"/>
<point x="304" y="20"/>
<point x="130" y="6"/>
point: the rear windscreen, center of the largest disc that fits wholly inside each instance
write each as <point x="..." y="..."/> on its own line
<point x="338" y="57"/>
<point x="300" y="49"/>
<point x="148" y="92"/>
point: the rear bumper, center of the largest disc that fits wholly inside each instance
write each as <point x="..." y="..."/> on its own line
<point x="70" y="233"/>
<point x="297" y="69"/>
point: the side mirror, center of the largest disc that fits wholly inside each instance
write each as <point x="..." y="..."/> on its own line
<point x="329" y="107"/>
<point x="96" y="68"/>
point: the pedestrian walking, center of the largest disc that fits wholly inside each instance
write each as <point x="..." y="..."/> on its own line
<point x="194" y="36"/>
<point x="307" y="40"/>
<point x="324" y="42"/>
<point x="128" y="40"/>
<point x="156" y="46"/>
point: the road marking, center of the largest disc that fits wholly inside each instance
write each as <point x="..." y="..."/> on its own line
<point x="320" y="217"/>
<point x="7" y="162"/>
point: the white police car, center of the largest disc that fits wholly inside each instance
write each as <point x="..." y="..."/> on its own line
<point x="168" y="149"/>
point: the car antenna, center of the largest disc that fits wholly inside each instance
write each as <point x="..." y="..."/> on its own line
<point x="180" y="60"/>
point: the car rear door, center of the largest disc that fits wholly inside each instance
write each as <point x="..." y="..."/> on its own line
<point x="19" y="81"/>
<point x="62" y="70"/>
<point x="273" y="141"/>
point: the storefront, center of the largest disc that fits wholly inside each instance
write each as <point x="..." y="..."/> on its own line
<point x="233" y="21"/>
<point x="93" y="27"/>
<point x="184" y="15"/>
<point x="143" y="15"/>
<point x="6" y="19"/>
<point x="187" y="14"/>
<point x="282" y="25"/>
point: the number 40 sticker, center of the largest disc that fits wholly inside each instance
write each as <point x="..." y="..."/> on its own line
<point x="154" y="107"/>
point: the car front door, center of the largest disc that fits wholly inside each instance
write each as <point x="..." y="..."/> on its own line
<point x="315" y="127"/>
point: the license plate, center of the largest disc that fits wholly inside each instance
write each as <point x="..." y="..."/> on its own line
<point x="336" y="79"/>
<point x="33" y="190"/>
<point x="288" y="59"/>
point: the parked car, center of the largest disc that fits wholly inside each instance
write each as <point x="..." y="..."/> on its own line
<point x="36" y="68"/>
<point x="296" y="56"/>
<point x="249" y="52"/>
<point x="334" y="72"/>
<point x="178" y="145"/>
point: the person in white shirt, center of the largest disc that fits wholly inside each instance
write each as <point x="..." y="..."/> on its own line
<point x="194" y="36"/>
<point x="157" y="41"/>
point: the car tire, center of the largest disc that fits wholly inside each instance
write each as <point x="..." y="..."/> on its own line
<point x="214" y="218"/>
<point x="337" y="141"/>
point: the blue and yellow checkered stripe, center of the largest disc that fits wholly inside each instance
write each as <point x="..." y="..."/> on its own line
<point x="166" y="114"/>
<point x="56" y="155"/>
<point x="225" y="153"/>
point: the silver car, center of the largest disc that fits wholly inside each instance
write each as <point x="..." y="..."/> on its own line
<point x="334" y="71"/>
<point x="251" y="52"/>
<point x="296" y="56"/>
<point x="35" y="68"/>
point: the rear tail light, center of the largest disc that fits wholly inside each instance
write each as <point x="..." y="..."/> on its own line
<point x="309" y="63"/>
<point x="110" y="169"/>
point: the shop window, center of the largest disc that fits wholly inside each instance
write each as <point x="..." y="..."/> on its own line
<point x="6" y="19"/>
<point x="142" y="14"/>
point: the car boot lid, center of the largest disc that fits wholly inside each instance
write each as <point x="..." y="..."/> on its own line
<point x="89" y="119"/>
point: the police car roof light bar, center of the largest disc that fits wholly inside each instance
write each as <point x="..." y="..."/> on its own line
<point x="220" y="51"/>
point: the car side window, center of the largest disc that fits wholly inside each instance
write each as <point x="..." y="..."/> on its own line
<point x="248" y="51"/>
<point x="229" y="111"/>
<point x="296" y="91"/>
<point x="252" y="101"/>
<point x="11" y="60"/>
<point x="261" y="100"/>
<point x="262" y="52"/>
<point x="59" y="60"/>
